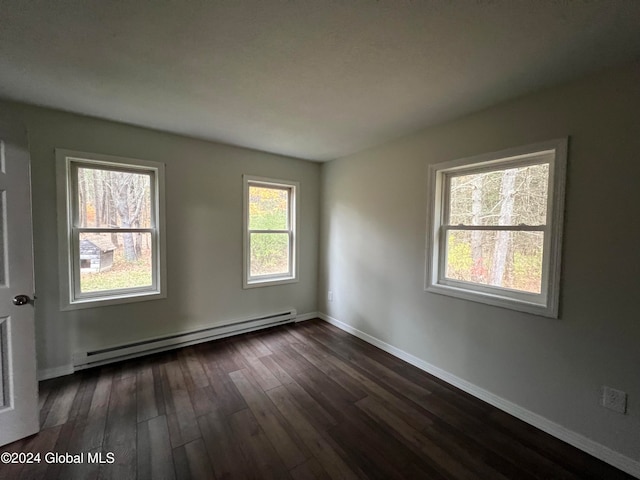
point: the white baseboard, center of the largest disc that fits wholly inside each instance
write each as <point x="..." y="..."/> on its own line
<point x="306" y="316"/>
<point x="624" y="463"/>
<point x="142" y="347"/>
<point x="188" y="338"/>
<point x="48" y="373"/>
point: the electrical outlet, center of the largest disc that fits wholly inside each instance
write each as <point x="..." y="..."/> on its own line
<point x="613" y="399"/>
<point x="330" y="296"/>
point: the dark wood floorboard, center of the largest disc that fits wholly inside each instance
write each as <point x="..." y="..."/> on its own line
<point x="305" y="401"/>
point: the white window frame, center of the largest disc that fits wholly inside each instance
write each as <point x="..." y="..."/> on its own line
<point x="67" y="164"/>
<point x="277" y="279"/>
<point x="553" y="152"/>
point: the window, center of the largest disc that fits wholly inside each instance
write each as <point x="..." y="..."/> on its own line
<point x="495" y="227"/>
<point x="111" y="241"/>
<point x="269" y="231"/>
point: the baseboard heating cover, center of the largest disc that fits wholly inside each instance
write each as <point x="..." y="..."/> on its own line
<point x="82" y="360"/>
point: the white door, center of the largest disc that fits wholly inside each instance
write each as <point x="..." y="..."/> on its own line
<point x="18" y="386"/>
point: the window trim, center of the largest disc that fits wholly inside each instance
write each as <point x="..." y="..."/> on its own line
<point x="275" y="279"/>
<point x="67" y="164"/>
<point x="544" y="304"/>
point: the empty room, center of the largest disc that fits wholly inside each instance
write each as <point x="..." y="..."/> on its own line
<point x="320" y="239"/>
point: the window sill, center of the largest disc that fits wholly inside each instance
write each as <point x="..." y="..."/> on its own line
<point x="96" y="302"/>
<point x="494" y="299"/>
<point x="269" y="282"/>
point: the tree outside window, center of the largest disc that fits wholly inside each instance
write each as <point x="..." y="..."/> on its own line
<point x="270" y="241"/>
<point x="495" y="227"/>
<point x="111" y="240"/>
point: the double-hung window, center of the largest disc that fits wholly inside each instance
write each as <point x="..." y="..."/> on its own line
<point x="110" y="229"/>
<point x="495" y="227"/>
<point x="269" y="231"/>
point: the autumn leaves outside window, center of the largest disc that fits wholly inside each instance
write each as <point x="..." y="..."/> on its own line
<point x="495" y="227"/>
<point x="270" y="235"/>
<point x="111" y="241"/>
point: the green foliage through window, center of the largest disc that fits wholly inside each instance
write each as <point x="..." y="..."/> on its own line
<point x="269" y="230"/>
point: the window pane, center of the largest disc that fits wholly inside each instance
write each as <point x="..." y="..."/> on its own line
<point x="110" y="261"/>
<point x="268" y="208"/>
<point x="499" y="258"/>
<point x="503" y="197"/>
<point x="269" y="253"/>
<point x="110" y="199"/>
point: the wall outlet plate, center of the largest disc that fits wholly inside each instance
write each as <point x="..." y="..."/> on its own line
<point x="613" y="399"/>
<point x="330" y="296"/>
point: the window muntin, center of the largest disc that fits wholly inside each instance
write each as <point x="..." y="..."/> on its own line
<point x="270" y="240"/>
<point x="110" y="230"/>
<point x="495" y="227"/>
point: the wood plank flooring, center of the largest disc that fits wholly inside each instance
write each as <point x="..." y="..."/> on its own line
<point x="295" y="402"/>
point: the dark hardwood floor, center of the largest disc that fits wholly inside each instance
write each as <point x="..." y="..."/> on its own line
<point x="300" y="402"/>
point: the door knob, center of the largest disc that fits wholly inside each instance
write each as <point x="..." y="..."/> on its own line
<point x="21" y="300"/>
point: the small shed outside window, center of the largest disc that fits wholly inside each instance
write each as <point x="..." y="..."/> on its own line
<point x="96" y="253"/>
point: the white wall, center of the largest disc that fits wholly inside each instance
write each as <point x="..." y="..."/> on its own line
<point x="372" y="242"/>
<point x="373" y="213"/>
<point x="204" y="234"/>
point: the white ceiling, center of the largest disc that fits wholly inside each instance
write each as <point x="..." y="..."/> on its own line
<point x="310" y="79"/>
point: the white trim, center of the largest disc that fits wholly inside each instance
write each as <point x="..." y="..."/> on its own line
<point x="147" y="346"/>
<point x="306" y="316"/>
<point x="190" y="338"/>
<point x="622" y="462"/>
<point x="48" y="373"/>
<point x="277" y="279"/>
<point x="68" y="267"/>
<point x="553" y="152"/>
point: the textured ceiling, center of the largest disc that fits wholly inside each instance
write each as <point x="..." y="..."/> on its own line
<point x="310" y="79"/>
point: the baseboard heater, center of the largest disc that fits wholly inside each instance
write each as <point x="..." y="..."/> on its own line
<point x="148" y="346"/>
